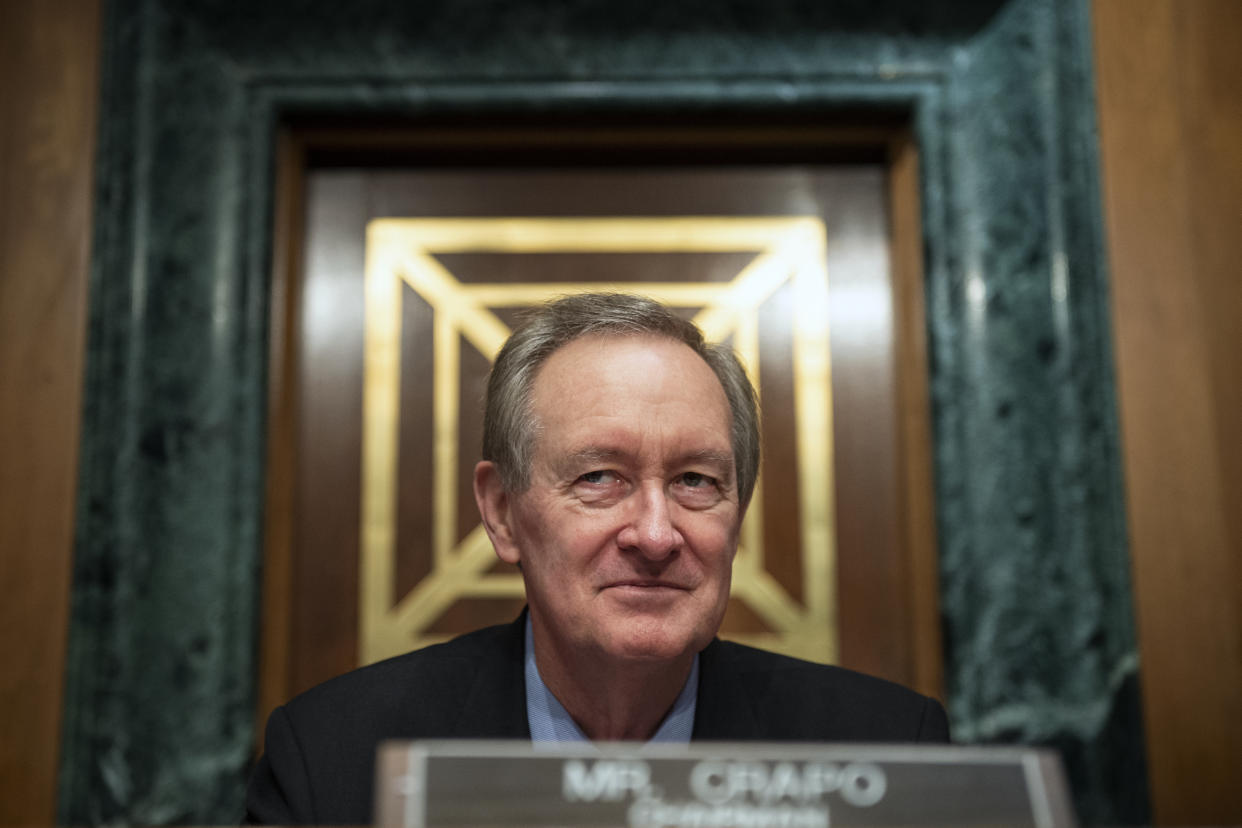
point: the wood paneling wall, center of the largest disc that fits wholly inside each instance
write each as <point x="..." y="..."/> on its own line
<point x="1170" y="107"/>
<point x="48" y="93"/>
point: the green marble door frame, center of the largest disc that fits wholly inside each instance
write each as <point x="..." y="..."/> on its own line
<point x="1038" y="631"/>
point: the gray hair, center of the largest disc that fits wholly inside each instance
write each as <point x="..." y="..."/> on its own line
<point x="509" y="424"/>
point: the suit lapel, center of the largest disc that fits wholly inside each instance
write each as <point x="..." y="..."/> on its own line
<point x="726" y="709"/>
<point x="495" y="704"/>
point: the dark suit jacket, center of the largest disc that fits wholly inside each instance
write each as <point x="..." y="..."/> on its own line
<point x="320" y="750"/>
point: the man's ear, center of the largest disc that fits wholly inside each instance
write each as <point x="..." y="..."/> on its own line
<point x="494" y="507"/>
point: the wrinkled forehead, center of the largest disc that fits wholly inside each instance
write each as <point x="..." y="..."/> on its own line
<point x="588" y="360"/>
<point x="615" y="376"/>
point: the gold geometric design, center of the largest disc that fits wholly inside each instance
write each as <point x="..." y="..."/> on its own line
<point x="791" y="249"/>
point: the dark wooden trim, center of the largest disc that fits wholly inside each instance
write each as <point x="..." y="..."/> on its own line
<point x="278" y="535"/>
<point x="914" y="455"/>
<point x="671" y="144"/>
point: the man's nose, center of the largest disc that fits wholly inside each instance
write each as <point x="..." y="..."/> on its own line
<point x="649" y="528"/>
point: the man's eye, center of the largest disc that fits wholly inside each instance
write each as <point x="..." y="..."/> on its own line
<point x="597" y="477"/>
<point x="694" y="480"/>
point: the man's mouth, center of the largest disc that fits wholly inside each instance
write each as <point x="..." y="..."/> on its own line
<point x="639" y="585"/>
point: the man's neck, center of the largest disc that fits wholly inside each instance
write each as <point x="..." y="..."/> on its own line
<point x="610" y="700"/>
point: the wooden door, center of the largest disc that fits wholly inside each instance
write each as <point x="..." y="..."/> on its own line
<point x="374" y="541"/>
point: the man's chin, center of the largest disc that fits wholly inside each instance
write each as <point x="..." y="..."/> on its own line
<point x="661" y="644"/>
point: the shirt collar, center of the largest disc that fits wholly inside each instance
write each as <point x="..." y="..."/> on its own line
<point x="551" y="723"/>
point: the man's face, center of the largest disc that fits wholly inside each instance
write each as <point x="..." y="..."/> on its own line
<point x="627" y="532"/>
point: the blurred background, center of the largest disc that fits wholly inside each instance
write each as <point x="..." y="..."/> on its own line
<point x="1029" y="215"/>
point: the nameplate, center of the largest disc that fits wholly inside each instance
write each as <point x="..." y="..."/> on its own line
<point x="716" y="785"/>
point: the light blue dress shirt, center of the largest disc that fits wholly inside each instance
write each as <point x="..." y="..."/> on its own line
<point x="551" y="723"/>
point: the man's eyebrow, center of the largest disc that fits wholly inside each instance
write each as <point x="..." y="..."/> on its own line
<point x="588" y="456"/>
<point x="708" y="456"/>
<point x="596" y="453"/>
